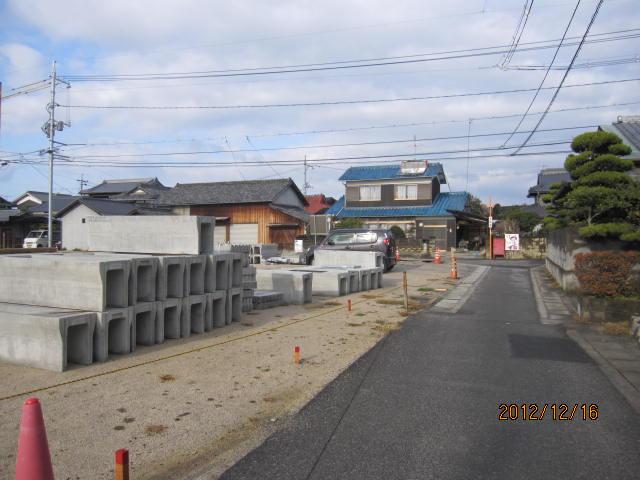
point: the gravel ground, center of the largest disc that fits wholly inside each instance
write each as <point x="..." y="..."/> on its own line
<point x="199" y="404"/>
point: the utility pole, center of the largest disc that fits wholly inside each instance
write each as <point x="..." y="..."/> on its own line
<point x="52" y="129"/>
<point x="49" y="129"/>
<point x="82" y="182"/>
<point x="305" y="186"/>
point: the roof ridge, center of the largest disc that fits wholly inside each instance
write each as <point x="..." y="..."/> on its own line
<point x="264" y="180"/>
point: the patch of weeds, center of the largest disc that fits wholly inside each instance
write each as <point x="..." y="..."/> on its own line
<point x="119" y="427"/>
<point x="369" y="295"/>
<point x="615" y="328"/>
<point x="387" y="301"/>
<point x="167" y="378"/>
<point x="155" y="429"/>
<point x="332" y="303"/>
<point x="386" y="327"/>
<point x="360" y="314"/>
<point x="121" y="409"/>
<point x="129" y="420"/>
<point x="425" y="289"/>
<point x="354" y="324"/>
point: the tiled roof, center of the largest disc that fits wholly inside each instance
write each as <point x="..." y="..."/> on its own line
<point x="318" y="203"/>
<point x="548" y="177"/>
<point x="382" y="172"/>
<point x="59" y="202"/>
<point x="249" y="191"/>
<point x="445" y="202"/>
<point x="629" y="131"/>
<point x="101" y="207"/>
<point x="120" y="186"/>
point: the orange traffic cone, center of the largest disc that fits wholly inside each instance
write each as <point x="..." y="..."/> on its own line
<point x="34" y="460"/>
<point x="437" y="259"/>
<point x="454" y="267"/>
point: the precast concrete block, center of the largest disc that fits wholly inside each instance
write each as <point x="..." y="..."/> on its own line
<point x="164" y="234"/>
<point x="112" y="333"/>
<point x="353" y="275"/>
<point x="348" y="258"/>
<point x="234" y="305"/>
<point x="296" y="287"/>
<point x="379" y="272"/>
<point x="192" y="319"/>
<point x="143" y="324"/>
<point x="235" y="270"/>
<point x="45" y="337"/>
<point x="365" y="279"/>
<point x="263" y="299"/>
<point x="81" y="282"/>
<point x="170" y="278"/>
<point x="217" y="309"/>
<point x="376" y="277"/>
<point x="194" y="274"/>
<point x="168" y="319"/>
<point x="221" y="262"/>
<point x="329" y="282"/>
<point x="210" y="273"/>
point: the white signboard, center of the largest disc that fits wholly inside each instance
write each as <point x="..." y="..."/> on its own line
<point x="511" y="242"/>
<point x="298" y="247"/>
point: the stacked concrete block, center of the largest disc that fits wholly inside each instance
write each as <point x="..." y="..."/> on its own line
<point x="296" y="287"/>
<point x="249" y="285"/>
<point x="348" y="257"/>
<point x="45" y="337"/>
<point x="162" y="234"/>
<point x="216" y="310"/>
<point x="194" y="275"/>
<point x="234" y="305"/>
<point x="168" y="314"/>
<point x="192" y="319"/>
<point x="263" y="299"/>
<point x="328" y="282"/>
<point x="243" y="248"/>
<point x="170" y="277"/>
<point x="76" y="282"/>
<point x="261" y="252"/>
<point x="112" y="333"/>
<point x="143" y="324"/>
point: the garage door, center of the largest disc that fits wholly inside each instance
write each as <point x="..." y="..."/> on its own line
<point x="220" y="233"/>
<point x="244" y="233"/>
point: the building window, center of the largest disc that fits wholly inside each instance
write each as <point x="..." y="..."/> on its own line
<point x="406" y="192"/>
<point x="369" y="193"/>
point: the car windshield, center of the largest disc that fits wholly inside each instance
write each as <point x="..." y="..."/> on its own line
<point x="340" y="238"/>
<point x="36" y="234"/>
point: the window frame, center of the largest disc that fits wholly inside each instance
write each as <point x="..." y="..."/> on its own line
<point x="377" y="189"/>
<point x="405" y="187"/>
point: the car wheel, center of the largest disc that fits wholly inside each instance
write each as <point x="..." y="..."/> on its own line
<point x="390" y="267"/>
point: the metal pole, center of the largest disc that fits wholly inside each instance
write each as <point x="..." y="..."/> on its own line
<point x="304" y="186"/>
<point x="52" y="129"/>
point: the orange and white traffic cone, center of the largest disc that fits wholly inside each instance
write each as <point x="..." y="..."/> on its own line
<point x="437" y="259"/>
<point x="34" y="460"/>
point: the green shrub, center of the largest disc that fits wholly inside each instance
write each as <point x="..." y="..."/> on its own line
<point x="603" y="163"/>
<point x="349" y="223"/>
<point x="620" y="149"/>
<point x="606" y="179"/>
<point x="597" y="142"/>
<point x="397" y="232"/>
<point x="606" y="274"/>
<point x="604" y="230"/>
<point x="632" y="236"/>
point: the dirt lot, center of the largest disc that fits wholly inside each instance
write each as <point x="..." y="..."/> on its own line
<point x="201" y="403"/>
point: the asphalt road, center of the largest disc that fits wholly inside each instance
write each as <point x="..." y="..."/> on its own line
<point x="425" y="403"/>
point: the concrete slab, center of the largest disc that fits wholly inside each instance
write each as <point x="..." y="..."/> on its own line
<point x="234" y="305"/>
<point x="263" y="299"/>
<point x="168" y="319"/>
<point x="165" y="234"/>
<point x="348" y="257"/>
<point x="296" y="287"/>
<point x="333" y="283"/>
<point x="143" y="324"/>
<point x="82" y="282"/>
<point x="193" y="314"/>
<point x="112" y="334"/>
<point x="215" y="312"/>
<point x="45" y="337"/>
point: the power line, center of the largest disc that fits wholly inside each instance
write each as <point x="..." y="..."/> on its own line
<point x="522" y="23"/>
<point x="564" y="77"/>
<point x="307" y="147"/>
<point x="344" y="64"/>
<point x="333" y="103"/>
<point x="114" y="163"/>
<point x="546" y="74"/>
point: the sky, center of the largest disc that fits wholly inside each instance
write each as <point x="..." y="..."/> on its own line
<point x="95" y="38"/>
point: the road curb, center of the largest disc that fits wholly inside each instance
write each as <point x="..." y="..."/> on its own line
<point x="615" y="377"/>
<point x="455" y="299"/>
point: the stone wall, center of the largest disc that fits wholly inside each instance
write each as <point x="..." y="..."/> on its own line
<point x="530" y="247"/>
<point x="562" y="247"/>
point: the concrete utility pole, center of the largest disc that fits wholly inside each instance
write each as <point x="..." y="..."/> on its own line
<point x="52" y="129"/>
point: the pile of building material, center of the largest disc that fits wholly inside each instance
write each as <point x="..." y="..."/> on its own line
<point x="263" y="299"/>
<point x="335" y="273"/>
<point x="82" y="307"/>
<point x="249" y="285"/>
<point x="256" y="252"/>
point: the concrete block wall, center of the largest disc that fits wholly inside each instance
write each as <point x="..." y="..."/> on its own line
<point x="162" y="234"/>
<point x="348" y="258"/>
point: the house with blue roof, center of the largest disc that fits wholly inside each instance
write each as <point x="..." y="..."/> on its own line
<point x="407" y="195"/>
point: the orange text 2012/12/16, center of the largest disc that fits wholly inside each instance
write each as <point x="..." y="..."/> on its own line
<point x="553" y="411"/>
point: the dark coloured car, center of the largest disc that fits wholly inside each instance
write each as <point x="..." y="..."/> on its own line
<point x="360" y="239"/>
